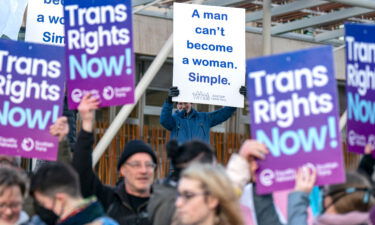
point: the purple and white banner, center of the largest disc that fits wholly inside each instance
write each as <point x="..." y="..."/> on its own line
<point x="31" y="98"/>
<point x="360" y="86"/>
<point x="99" y="51"/>
<point x="294" y="112"/>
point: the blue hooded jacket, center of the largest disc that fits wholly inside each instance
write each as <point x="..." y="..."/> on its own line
<point x="195" y="126"/>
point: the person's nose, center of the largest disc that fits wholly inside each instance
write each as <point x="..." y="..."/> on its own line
<point x="8" y="211"/>
<point x="144" y="168"/>
<point x="178" y="202"/>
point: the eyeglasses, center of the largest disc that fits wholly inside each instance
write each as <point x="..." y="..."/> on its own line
<point x="186" y="196"/>
<point x="12" y="205"/>
<point x="138" y="165"/>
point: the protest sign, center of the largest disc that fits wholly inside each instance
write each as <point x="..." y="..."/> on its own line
<point x="360" y="86"/>
<point x="209" y="54"/>
<point x="294" y="112"/>
<point x="45" y="22"/>
<point x="31" y="97"/>
<point x="11" y="15"/>
<point x="99" y="51"/>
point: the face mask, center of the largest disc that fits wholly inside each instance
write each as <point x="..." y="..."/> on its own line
<point x="49" y="217"/>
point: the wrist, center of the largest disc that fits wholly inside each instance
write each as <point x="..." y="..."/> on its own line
<point x="87" y="126"/>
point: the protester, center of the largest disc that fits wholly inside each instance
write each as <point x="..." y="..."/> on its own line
<point x="56" y="187"/>
<point x="366" y="165"/>
<point x="206" y="196"/>
<point x="263" y="210"/>
<point x="127" y="202"/>
<point x="161" y="206"/>
<point x="187" y="123"/>
<point x="42" y="216"/>
<point x="344" y="204"/>
<point x="13" y="189"/>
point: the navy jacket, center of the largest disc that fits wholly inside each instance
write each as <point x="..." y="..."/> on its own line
<point x="195" y="126"/>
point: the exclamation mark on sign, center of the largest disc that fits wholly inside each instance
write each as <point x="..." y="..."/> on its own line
<point x="128" y="61"/>
<point x="332" y="131"/>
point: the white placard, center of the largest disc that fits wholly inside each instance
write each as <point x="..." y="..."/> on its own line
<point x="209" y="54"/>
<point x="11" y="15"/>
<point x="45" y="22"/>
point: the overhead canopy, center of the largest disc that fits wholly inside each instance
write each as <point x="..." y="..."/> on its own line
<point x="308" y="20"/>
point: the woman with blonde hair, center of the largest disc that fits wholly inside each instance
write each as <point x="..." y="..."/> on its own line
<point x="206" y="196"/>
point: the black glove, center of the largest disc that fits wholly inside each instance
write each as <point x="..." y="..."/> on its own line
<point x="243" y="91"/>
<point x="172" y="92"/>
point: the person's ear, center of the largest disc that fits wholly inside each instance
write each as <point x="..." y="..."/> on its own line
<point x="212" y="202"/>
<point x="122" y="170"/>
<point x="60" y="197"/>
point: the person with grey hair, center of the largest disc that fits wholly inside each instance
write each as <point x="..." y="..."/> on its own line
<point x="13" y="188"/>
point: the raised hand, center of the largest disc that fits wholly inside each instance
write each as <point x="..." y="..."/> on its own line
<point x="86" y="110"/>
<point x="60" y="128"/>
<point x="173" y="92"/>
<point x="253" y="150"/>
<point x="305" y="179"/>
<point x="243" y="91"/>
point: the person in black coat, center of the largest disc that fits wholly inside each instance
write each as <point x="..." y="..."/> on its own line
<point x="127" y="202"/>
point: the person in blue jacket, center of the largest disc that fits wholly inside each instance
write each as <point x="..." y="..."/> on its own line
<point x="187" y="123"/>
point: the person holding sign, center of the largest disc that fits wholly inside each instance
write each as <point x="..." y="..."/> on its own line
<point x="127" y="202"/>
<point x="187" y="123"/>
<point x="344" y="204"/>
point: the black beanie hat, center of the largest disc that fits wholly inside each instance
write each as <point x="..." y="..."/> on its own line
<point x="133" y="147"/>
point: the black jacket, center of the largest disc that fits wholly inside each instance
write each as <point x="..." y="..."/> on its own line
<point x="115" y="200"/>
<point x="366" y="166"/>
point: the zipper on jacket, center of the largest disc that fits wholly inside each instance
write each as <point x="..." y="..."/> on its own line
<point x="178" y="129"/>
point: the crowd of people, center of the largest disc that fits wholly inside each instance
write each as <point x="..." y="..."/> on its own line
<point x="198" y="191"/>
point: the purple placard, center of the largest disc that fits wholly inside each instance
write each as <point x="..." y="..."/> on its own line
<point x="99" y="51"/>
<point x="360" y="86"/>
<point x="31" y="97"/>
<point x="293" y="110"/>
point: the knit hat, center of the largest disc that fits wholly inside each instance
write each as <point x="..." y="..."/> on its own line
<point x="133" y="147"/>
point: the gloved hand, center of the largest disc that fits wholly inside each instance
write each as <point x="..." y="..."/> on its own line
<point x="243" y="91"/>
<point x="172" y="92"/>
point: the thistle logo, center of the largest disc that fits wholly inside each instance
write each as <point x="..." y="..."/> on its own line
<point x="27" y="144"/>
<point x="266" y="177"/>
<point x="76" y="95"/>
<point x="108" y="93"/>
